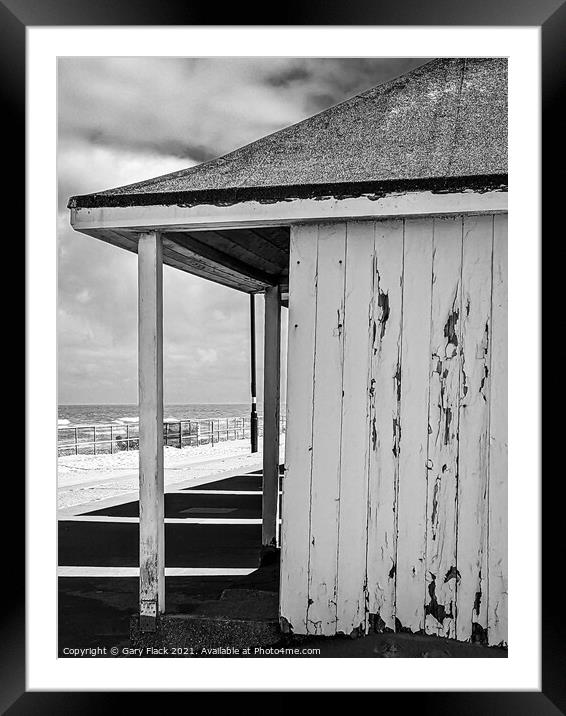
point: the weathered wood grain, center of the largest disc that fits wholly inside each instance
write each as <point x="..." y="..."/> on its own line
<point x="296" y="507"/>
<point x="411" y="547"/>
<point x="384" y="426"/>
<point x="327" y="425"/>
<point x="207" y="261"/>
<point x="242" y="246"/>
<point x="471" y="619"/>
<point x="150" y="369"/>
<point x="444" y="376"/>
<point x="196" y="267"/>
<point x="397" y="395"/>
<point x="352" y="532"/>
<point x="497" y="576"/>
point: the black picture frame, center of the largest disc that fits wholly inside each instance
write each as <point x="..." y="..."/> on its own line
<point x="15" y="17"/>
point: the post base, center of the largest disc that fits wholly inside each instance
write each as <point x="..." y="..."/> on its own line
<point x="269" y="555"/>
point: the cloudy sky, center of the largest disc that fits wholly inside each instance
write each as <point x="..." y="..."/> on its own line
<point x="126" y="119"/>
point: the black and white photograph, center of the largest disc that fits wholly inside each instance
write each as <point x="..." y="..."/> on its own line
<point x="282" y="357"/>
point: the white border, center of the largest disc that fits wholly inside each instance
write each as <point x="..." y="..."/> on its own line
<point x="522" y="669"/>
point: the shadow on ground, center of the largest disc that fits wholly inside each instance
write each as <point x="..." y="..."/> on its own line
<point x="95" y="612"/>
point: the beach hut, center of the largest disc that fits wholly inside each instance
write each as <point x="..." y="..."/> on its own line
<point x="382" y="224"/>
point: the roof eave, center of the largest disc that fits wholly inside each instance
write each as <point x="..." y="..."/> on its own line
<point x="270" y="194"/>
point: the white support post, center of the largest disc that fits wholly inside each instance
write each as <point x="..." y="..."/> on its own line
<point x="271" y="378"/>
<point x="150" y="368"/>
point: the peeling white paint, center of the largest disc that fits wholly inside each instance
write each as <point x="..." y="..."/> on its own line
<point x="397" y="391"/>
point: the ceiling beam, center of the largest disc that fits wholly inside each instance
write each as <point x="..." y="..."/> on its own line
<point x="218" y="263"/>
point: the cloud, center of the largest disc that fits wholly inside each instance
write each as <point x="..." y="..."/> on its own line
<point x="123" y="120"/>
<point x="196" y="109"/>
<point x="84" y="167"/>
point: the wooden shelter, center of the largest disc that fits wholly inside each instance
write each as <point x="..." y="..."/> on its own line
<point x="382" y="222"/>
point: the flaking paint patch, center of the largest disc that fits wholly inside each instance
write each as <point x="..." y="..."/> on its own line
<point x="450" y="332"/>
<point x="434" y="514"/>
<point x="396" y="436"/>
<point x="464" y="384"/>
<point x="484" y="354"/>
<point x="285" y="625"/>
<point x="452" y="573"/>
<point x="448" y="420"/>
<point x="479" y="634"/>
<point x="477" y="600"/>
<point x="383" y="303"/>
<point x="438" y="611"/>
<point x="397" y="379"/>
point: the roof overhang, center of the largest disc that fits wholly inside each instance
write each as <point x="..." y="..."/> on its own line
<point x="286" y="212"/>
<point x="247" y="266"/>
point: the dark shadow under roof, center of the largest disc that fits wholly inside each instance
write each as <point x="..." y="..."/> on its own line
<point x="442" y="126"/>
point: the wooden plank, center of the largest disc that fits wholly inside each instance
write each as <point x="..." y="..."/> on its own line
<point x="295" y="523"/>
<point x="327" y="424"/>
<point x="471" y="619"/>
<point x="233" y="244"/>
<point x="352" y="530"/>
<point x="122" y="240"/>
<point x="277" y="236"/>
<point x="411" y="538"/>
<point x="214" y="260"/>
<point x="444" y="376"/>
<point x="195" y="267"/>
<point x="150" y="367"/>
<point x="259" y="246"/>
<point x="271" y="380"/>
<point x="497" y="575"/>
<point x="384" y="421"/>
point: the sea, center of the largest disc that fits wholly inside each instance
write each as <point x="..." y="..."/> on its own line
<point x="124" y="413"/>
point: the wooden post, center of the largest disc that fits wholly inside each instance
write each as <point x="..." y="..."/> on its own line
<point x="253" y="413"/>
<point x="271" y="378"/>
<point x="150" y="367"/>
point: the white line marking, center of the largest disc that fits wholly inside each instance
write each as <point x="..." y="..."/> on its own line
<point x="169" y="571"/>
<point x="215" y="492"/>
<point x="168" y="520"/>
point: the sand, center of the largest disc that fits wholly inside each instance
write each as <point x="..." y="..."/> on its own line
<point x="86" y="482"/>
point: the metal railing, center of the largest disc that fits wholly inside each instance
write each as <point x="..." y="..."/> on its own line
<point x="112" y="438"/>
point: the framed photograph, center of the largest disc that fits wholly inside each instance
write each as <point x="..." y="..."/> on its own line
<point x="278" y="403"/>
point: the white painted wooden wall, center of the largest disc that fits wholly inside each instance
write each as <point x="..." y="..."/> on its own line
<point x="395" y="489"/>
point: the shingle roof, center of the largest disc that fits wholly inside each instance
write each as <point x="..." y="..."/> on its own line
<point x="442" y="125"/>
